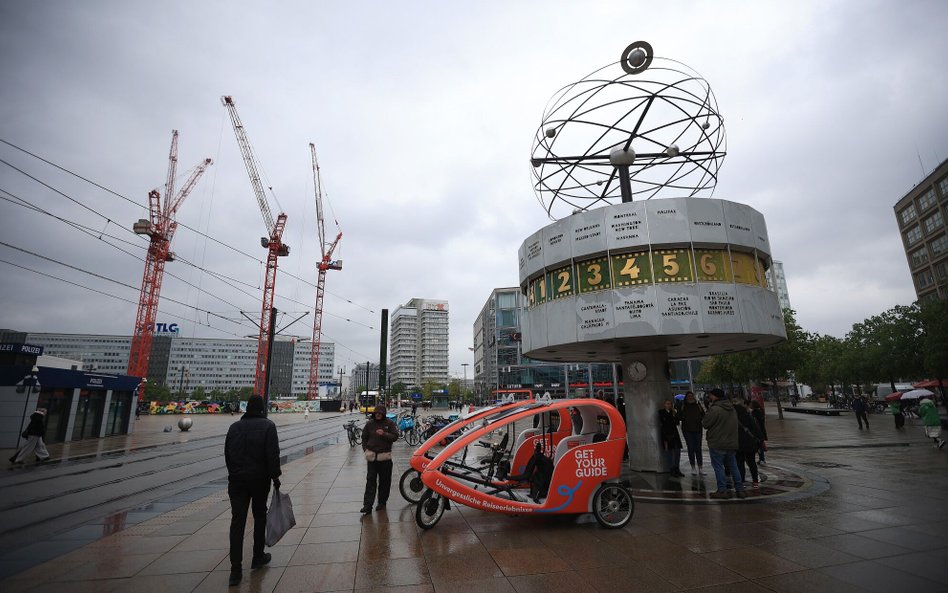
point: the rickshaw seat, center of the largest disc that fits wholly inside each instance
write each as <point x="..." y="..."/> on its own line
<point x="575" y="440"/>
<point x="538" y="472"/>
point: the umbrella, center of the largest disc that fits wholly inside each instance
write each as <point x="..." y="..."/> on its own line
<point x="893" y="396"/>
<point x="917" y="394"/>
<point x="680" y="396"/>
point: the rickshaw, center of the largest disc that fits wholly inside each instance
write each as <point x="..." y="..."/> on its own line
<point x="410" y="484"/>
<point x="574" y="473"/>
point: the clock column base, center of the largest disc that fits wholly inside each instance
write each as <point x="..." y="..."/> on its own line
<point x="643" y="399"/>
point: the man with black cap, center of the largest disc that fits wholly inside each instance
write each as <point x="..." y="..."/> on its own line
<point x="721" y="424"/>
<point x="252" y="453"/>
<point x="377" y="438"/>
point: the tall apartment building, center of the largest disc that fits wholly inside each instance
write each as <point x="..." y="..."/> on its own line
<point x="418" y="343"/>
<point x="778" y="283"/>
<point x="184" y="364"/>
<point x="921" y="217"/>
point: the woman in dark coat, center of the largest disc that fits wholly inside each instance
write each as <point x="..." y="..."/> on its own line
<point x="691" y="414"/>
<point x="671" y="442"/>
<point x="749" y="438"/>
<point x="757" y="411"/>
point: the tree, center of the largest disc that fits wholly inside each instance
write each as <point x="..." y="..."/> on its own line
<point x="398" y="389"/>
<point x="890" y="345"/>
<point x="454" y="390"/>
<point x="198" y="393"/>
<point x="157" y="393"/>
<point x="777" y="362"/>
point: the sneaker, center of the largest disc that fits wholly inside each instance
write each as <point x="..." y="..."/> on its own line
<point x="756" y="485"/>
<point x="380" y="506"/>
<point x="700" y="471"/>
<point x="235" y="576"/>
<point x="741" y="494"/>
<point x="260" y="561"/>
<point x="720" y="494"/>
<point x="365" y="510"/>
<point x="694" y="472"/>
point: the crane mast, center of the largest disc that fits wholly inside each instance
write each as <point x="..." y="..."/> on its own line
<point x="160" y="228"/>
<point x="273" y="243"/>
<point x="325" y="263"/>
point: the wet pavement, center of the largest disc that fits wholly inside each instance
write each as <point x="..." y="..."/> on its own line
<point x="840" y="510"/>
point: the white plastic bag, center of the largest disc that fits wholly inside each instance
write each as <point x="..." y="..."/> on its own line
<point x="280" y="517"/>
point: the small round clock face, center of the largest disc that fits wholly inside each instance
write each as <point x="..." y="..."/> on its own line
<point x="637" y="371"/>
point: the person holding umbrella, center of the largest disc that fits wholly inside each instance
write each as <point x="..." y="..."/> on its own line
<point x="931" y="421"/>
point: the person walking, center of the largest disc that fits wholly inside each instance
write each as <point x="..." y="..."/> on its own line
<point x="749" y="438"/>
<point x="860" y="408"/>
<point x="377" y="438"/>
<point x="34" y="444"/>
<point x="252" y="455"/>
<point x="757" y="411"/>
<point x="897" y="414"/>
<point x="691" y="415"/>
<point x="932" y="421"/>
<point x="721" y="423"/>
<point x="671" y="442"/>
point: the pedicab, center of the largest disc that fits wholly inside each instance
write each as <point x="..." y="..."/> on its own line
<point x="578" y="473"/>
<point x="410" y="484"/>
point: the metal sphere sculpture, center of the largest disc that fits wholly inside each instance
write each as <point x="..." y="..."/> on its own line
<point x="640" y="128"/>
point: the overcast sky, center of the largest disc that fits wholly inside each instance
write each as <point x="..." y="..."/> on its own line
<point x="422" y="114"/>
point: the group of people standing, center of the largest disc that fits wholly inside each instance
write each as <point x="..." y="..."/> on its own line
<point x="736" y="438"/>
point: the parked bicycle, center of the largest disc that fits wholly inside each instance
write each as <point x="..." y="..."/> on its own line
<point x="353" y="432"/>
<point x="407" y="428"/>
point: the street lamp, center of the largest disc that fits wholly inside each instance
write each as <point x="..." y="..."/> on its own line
<point x="465" y="365"/>
<point x="29" y="382"/>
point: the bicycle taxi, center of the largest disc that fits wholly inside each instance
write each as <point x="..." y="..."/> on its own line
<point x="566" y="458"/>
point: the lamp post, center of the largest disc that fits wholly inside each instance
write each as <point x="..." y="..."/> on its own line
<point x="465" y="365"/>
<point x="29" y="382"/>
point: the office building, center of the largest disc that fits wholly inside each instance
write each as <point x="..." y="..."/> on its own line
<point x="186" y="365"/>
<point x="499" y="363"/>
<point x="921" y="215"/>
<point x="418" y="343"/>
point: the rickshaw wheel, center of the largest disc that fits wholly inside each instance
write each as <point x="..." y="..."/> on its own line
<point x="429" y="509"/>
<point x="411" y="486"/>
<point x="613" y="506"/>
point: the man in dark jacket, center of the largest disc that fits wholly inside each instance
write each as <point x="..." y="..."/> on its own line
<point x="252" y="453"/>
<point x="377" y="438"/>
<point x="720" y="421"/>
<point x="860" y="408"/>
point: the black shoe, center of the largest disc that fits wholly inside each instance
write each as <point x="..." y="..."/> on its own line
<point x="380" y="506"/>
<point x="365" y="510"/>
<point x="260" y="561"/>
<point x="235" y="576"/>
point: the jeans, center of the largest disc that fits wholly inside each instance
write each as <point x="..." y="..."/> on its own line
<point x="720" y="459"/>
<point x="379" y="472"/>
<point x="243" y="494"/>
<point x="693" y="441"/>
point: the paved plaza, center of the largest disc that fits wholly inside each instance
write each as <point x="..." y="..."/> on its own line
<point x="857" y="511"/>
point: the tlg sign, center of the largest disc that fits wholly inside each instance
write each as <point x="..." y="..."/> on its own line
<point x="166" y="328"/>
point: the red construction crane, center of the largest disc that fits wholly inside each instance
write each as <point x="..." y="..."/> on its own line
<point x="160" y="227"/>
<point x="274" y="244"/>
<point x="325" y="264"/>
